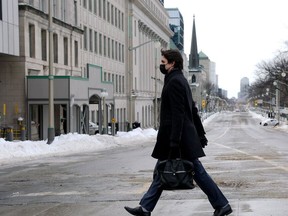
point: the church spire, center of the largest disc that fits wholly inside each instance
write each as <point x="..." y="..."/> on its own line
<point x="194" y="57"/>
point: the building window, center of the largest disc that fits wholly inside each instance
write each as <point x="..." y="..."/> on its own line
<point x="108" y="12"/>
<point x="122" y="53"/>
<point x="119" y="51"/>
<point x="90" y="40"/>
<point x="116" y="50"/>
<point x="44" y="44"/>
<point x="85" y="3"/>
<point x="85" y="38"/>
<point x="63" y="10"/>
<point x="105" y="76"/>
<point x="65" y="43"/>
<point x="115" y="15"/>
<point x="104" y="9"/>
<point x="95" y="6"/>
<point x="55" y="47"/>
<point x="135" y="28"/>
<point x="193" y="79"/>
<point x="112" y="14"/>
<point x="100" y="44"/>
<point x="120" y="84"/>
<point x="116" y="82"/>
<point x="122" y="20"/>
<point x="55" y="8"/>
<point x="31" y="2"/>
<point x="42" y="5"/>
<point x="31" y="41"/>
<point x="90" y="5"/>
<point x="76" y="53"/>
<point x="112" y="45"/>
<point x="119" y="18"/>
<point x="104" y="43"/>
<point x="123" y="84"/>
<point x="95" y="42"/>
<point x="100" y="8"/>
<point x="109" y="47"/>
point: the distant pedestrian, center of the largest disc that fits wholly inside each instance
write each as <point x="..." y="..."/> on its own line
<point x="180" y="127"/>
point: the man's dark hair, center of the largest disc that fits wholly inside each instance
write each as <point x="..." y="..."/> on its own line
<point x="173" y="55"/>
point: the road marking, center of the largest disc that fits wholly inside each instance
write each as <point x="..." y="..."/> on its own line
<point x="224" y="133"/>
<point x="48" y="193"/>
<point x="259" y="158"/>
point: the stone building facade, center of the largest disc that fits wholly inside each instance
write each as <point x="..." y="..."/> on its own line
<point x="98" y="46"/>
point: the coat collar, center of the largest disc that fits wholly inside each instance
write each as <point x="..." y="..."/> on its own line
<point x="173" y="73"/>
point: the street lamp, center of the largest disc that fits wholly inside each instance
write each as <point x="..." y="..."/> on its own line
<point x="157" y="45"/>
<point x="275" y="83"/>
<point x="104" y="94"/>
<point x="51" y="129"/>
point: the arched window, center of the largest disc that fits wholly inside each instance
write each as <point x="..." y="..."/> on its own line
<point x="193" y="79"/>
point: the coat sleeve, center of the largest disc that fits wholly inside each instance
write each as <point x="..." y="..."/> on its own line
<point x="177" y="102"/>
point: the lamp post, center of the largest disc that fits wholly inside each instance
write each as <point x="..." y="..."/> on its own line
<point x="275" y="83"/>
<point x="157" y="45"/>
<point x="104" y="94"/>
<point x="51" y="129"/>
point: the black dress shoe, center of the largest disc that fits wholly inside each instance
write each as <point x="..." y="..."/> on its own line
<point x="226" y="210"/>
<point x="137" y="211"/>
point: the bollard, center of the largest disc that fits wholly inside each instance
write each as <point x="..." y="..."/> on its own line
<point x="23" y="133"/>
<point x="9" y="133"/>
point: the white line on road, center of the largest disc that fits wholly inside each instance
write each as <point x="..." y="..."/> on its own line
<point x="259" y="158"/>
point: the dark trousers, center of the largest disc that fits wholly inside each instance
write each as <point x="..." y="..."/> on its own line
<point x="201" y="177"/>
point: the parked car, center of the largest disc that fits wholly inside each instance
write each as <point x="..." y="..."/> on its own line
<point x="94" y="128"/>
<point x="270" y="122"/>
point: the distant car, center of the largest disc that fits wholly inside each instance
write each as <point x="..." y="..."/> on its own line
<point x="270" y="122"/>
<point x="94" y="128"/>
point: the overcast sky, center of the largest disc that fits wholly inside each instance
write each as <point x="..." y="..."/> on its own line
<point x="235" y="34"/>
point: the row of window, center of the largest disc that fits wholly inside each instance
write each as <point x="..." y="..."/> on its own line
<point x="44" y="39"/>
<point x="103" y="45"/>
<point x="117" y="80"/>
<point x="59" y="7"/>
<point x="106" y="10"/>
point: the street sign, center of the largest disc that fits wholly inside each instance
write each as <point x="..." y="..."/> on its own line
<point x="113" y="120"/>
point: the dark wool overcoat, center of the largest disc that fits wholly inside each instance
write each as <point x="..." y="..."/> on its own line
<point x="180" y="124"/>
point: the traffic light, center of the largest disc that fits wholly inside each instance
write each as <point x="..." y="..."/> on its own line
<point x="203" y="104"/>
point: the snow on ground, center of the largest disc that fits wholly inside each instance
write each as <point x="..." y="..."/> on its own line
<point x="73" y="143"/>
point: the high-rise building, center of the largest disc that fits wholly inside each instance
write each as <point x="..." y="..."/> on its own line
<point x="244" y="87"/>
<point x="9" y="28"/>
<point x="176" y="24"/>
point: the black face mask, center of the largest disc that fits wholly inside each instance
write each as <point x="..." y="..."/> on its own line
<point x="163" y="69"/>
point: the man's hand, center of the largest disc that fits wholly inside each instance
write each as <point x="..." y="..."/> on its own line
<point x="203" y="141"/>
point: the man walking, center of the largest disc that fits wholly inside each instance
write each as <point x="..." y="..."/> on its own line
<point x="180" y="128"/>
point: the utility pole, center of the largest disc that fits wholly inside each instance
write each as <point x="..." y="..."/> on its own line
<point x="156" y="102"/>
<point x="278" y="103"/>
<point x="51" y="129"/>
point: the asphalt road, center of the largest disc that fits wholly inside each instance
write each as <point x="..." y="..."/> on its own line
<point x="247" y="161"/>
